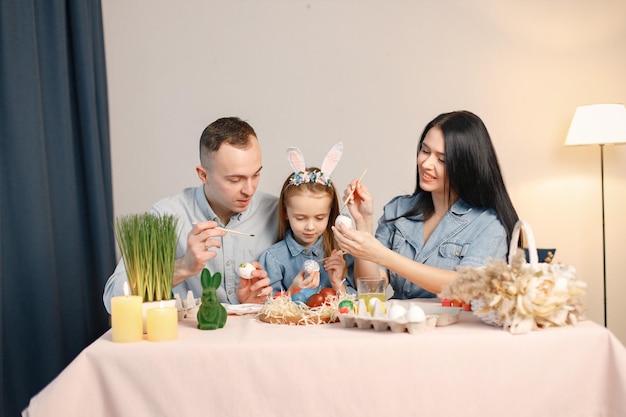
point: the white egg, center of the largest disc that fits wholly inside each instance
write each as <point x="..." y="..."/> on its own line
<point x="396" y="312"/>
<point x="415" y="314"/>
<point x="245" y="270"/>
<point x="345" y="220"/>
<point x="310" y="266"/>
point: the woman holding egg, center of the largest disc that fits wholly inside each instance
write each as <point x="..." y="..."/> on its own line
<point x="304" y="241"/>
<point x="460" y="213"/>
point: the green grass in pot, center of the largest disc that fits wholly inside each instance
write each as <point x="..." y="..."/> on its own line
<point x="148" y="245"/>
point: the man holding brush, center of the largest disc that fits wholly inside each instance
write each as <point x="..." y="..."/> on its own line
<point x="222" y="223"/>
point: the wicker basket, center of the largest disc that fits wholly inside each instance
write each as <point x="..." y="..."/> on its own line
<point x="491" y="317"/>
<point x="557" y="282"/>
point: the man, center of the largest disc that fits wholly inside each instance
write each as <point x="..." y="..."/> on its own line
<point x="230" y="169"/>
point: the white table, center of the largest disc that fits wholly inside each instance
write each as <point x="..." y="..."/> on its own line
<point x="250" y="368"/>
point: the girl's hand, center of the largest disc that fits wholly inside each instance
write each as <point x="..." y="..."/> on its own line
<point x="312" y="280"/>
<point x="335" y="265"/>
<point x="360" y="204"/>
<point x="300" y="281"/>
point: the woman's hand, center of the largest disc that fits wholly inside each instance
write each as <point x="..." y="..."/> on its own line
<point x="360" y="204"/>
<point x="360" y="244"/>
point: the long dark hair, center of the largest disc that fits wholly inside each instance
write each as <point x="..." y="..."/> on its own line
<point x="472" y="168"/>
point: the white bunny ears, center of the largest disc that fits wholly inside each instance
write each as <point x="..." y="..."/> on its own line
<point x="322" y="176"/>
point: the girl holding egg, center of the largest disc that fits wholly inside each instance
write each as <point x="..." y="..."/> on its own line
<point x="459" y="215"/>
<point x="305" y="254"/>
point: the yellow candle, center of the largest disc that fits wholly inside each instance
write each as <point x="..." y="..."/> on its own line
<point x="162" y="323"/>
<point x="126" y="318"/>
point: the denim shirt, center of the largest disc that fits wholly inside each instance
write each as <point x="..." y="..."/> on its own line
<point x="284" y="260"/>
<point x="466" y="236"/>
<point x="189" y="206"/>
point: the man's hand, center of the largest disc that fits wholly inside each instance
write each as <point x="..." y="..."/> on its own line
<point x="199" y="241"/>
<point x="256" y="289"/>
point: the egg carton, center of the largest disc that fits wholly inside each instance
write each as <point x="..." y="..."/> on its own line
<point x="433" y="316"/>
<point x="188" y="307"/>
<point x="350" y="320"/>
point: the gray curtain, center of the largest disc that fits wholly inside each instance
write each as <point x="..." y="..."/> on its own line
<point x="56" y="235"/>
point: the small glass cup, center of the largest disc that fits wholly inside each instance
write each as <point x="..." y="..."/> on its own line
<point x="369" y="288"/>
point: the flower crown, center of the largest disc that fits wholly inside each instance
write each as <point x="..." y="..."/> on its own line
<point x="321" y="176"/>
<point x="302" y="177"/>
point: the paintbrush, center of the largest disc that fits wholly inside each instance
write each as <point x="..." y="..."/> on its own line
<point x="235" y="232"/>
<point x="345" y="202"/>
<point x="323" y="259"/>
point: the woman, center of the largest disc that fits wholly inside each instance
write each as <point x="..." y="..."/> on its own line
<point x="459" y="215"/>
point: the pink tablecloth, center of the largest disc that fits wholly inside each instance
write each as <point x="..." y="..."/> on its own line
<point x="251" y="368"/>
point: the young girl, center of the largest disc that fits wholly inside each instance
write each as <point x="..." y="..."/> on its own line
<point x="307" y="207"/>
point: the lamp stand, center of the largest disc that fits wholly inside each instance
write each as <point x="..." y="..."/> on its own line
<point x="603" y="233"/>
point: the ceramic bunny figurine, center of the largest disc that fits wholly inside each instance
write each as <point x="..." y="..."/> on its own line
<point x="212" y="314"/>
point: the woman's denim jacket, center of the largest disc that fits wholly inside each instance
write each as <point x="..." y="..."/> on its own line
<point x="466" y="236"/>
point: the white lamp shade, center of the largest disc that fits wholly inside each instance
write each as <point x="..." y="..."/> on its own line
<point x="598" y="124"/>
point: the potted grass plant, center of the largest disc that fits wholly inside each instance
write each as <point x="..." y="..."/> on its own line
<point x="147" y="243"/>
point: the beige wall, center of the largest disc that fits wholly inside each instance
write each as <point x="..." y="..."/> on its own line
<point x="373" y="73"/>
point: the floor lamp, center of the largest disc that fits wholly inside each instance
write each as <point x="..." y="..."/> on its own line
<point x="599" y="124"/>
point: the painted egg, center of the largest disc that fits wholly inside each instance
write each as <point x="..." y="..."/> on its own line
<point x="298" y="298"/>
<point x="316" y="300"/>
<point x="328" y="292"/>
<point x="245" y="270"/>
<point x="346" y="306"/>
<point x="303" y="295"/>
<point x="310" y="266"/>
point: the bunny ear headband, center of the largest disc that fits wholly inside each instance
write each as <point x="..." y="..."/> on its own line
<point x="301" y="175"/>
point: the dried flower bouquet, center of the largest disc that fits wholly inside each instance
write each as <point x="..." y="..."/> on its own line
<point x="521" y="296"/>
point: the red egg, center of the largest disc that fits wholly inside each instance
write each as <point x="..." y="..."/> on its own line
<point x="315" y="300"/>
<point x="326" y="292"/>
